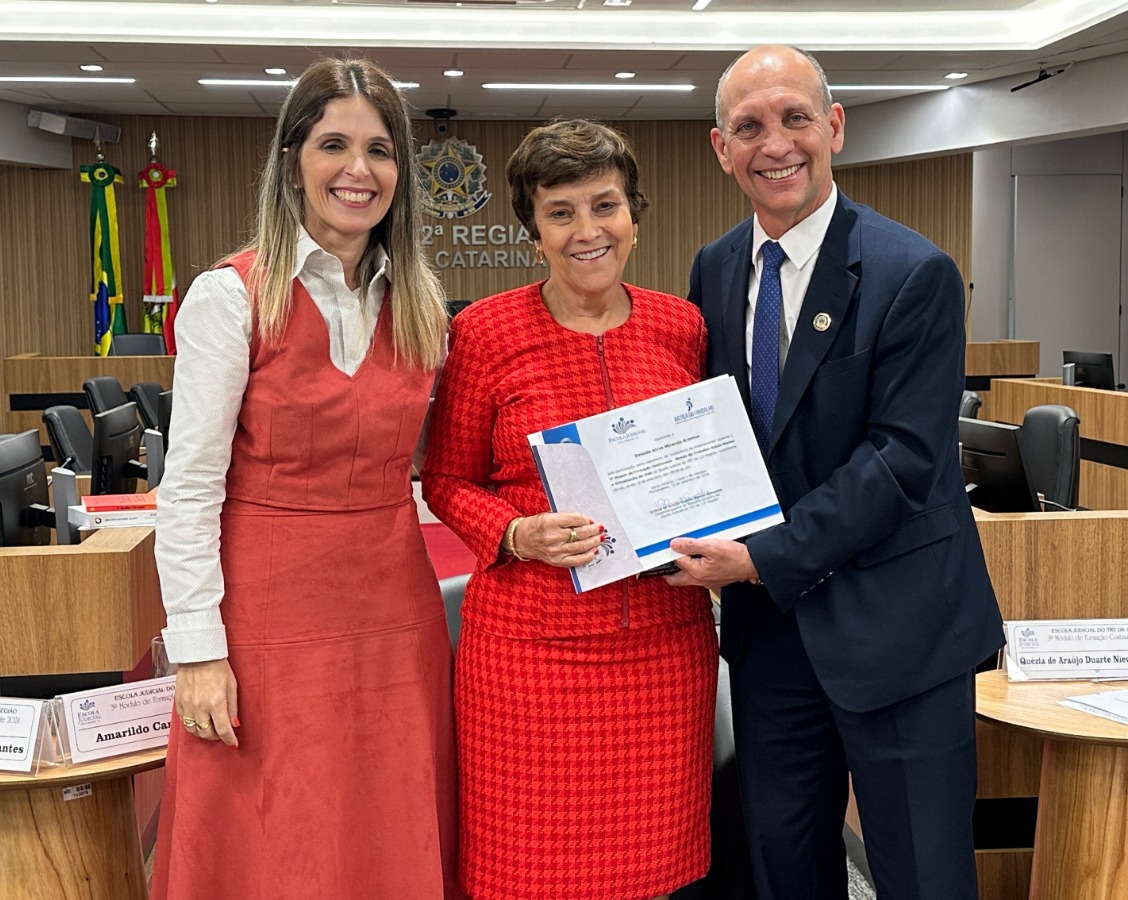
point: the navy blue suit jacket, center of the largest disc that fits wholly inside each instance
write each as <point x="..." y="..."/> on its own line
<point x="879" y="555"/>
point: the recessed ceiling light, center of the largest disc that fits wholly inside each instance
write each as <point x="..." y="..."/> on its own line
<point x="91" y="67"/>
<point x="211" y="1"/>
<point x="616" y="2"/>
<point x="624" y="74"/>
<point x="890" y="87"/>
<point x="633" y="88"/>
<point x="262" y="82"/>
<point x="700" y="5"/>
<point x="274" y="70"/>
<point x="65" y="79"/>
<point x="453" y="73"/>
<point x="956" y="76"/>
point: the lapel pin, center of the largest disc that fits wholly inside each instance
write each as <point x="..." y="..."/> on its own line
<point x="822" y="322"/>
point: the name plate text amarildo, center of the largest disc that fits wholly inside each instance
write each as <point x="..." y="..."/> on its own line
<point x="122" y="718"/>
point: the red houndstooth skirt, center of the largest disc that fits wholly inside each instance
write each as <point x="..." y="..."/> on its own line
<point x="585" y="763"/>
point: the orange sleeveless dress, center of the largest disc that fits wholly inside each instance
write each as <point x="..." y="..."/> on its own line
<point x="344" y="782"/>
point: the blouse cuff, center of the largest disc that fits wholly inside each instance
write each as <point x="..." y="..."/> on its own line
<point x="195" y="637"/>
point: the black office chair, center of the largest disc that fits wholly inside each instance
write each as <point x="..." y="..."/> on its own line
<point x="137" y="345"/>
<point x="1051" y="450"/>
<point x="969" y="405"/>
<point x="146" y="395"/>
<point x="70" y="438"/>
<point x="103" y="393"/>
<point x="453" y="589"/>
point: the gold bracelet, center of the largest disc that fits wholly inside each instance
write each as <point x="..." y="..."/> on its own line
<point x="509" y="543"/>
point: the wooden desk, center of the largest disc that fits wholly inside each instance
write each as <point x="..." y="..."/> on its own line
<point x="1043" y="566"/>
<point x="33" y="382"/>
<point x="92" y="607"/>
<point x="1080" y="849"/>
<point x="1104" y="431"/>
<point x="84" y="848"/>
<point x="984" y="360"/>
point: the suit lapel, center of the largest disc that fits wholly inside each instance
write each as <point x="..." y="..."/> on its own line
<point x="831" y="291"/>
<point x="736" y="269"/>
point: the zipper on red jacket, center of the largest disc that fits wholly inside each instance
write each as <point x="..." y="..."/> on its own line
<point x="625" y="615"/>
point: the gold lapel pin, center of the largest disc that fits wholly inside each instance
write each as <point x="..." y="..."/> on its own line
<point x="822" y="322"/>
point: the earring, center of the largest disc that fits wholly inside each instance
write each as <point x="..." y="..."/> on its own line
<point x="539" y="254"/>
<point x="634" y="243"/>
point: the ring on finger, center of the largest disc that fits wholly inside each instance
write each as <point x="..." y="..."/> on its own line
<point x="573" y="536"/>
<point x="204" y="724"/>
<point x="188" y="722"/>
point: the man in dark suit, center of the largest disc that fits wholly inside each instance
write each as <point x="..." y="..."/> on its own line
<point x="853" y="629"/>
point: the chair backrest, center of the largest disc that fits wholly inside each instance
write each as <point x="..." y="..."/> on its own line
<point x="103" y="393"/>
<point x="453" y="589"/>
<point x="69" y="437"/>
<point x="137" y="345"/>
<point x="145" y="394"/>
<point x="1051" y="450"/>
<point x="969" y="405"/>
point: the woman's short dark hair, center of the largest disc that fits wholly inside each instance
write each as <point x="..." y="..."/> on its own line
<point x="568" y="150"/>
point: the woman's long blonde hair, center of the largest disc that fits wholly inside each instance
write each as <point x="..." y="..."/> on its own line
<point x="418" y="302"/>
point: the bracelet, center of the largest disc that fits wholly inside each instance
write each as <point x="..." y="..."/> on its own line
<point x="508" y="543"/>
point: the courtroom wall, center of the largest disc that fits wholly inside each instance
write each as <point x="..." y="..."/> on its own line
<point x="44" y="257"/>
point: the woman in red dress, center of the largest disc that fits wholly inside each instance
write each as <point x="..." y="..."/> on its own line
<point x="584" y="721"/>
<point x="313" y="752"/>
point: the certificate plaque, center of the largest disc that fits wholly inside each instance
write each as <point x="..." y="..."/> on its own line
<point x="682" y="464"/>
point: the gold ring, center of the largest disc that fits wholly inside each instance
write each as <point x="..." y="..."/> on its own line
<point x="204" y="725"/>
<point x="188" y="721"/>
<point x="573" y="536"/>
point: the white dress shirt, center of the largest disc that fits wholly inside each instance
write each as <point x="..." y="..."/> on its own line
<point x="801" y="244"/>
<point x="213" y="337"/>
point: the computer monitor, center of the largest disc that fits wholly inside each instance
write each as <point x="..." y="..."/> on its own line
<point x="25" y="518"/>
<point x="115" y="464"/>
<point x="993" y="469"/>
<point x="1092" y="370"/>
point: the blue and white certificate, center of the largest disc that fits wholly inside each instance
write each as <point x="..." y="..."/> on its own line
<point x="682" y="464"/>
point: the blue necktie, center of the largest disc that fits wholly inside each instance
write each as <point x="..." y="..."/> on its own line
<point x="765" y="344"/>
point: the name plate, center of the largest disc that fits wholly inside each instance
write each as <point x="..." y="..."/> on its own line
<point x="19" y="732"/>
<point x="1067" y="649"/>
<point x="122" y="718"/>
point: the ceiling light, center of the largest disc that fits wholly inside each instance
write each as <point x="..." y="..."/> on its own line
<point x="453" y="73"/>
<point x="211" y="1"/>
<point x="65" y="79"/>
<point x="624" y="74"/>
<point x="91" y="67"/>
<point x="262" y="82"/>
<point x="956" y="76"/>
<point x="633" y="88"/>
<point x="890" y="87"/>
<point x="700" y="5"/>
<point x="274" y="70"/>
<point x="616" y="2"/>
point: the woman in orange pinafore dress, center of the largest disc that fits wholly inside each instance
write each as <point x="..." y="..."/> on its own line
<point x="312" y="755"/>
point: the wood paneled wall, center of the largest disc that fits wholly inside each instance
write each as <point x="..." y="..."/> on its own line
<point x="44" y="256"/>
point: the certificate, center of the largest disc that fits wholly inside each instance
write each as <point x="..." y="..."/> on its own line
<point x="682" y="464"/>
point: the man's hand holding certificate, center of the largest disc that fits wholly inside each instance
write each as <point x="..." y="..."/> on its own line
<point x="681" y="464"/>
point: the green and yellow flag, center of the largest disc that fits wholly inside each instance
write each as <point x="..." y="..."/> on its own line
<point x="105" y="254"/>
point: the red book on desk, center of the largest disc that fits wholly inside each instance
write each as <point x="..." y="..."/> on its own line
<point x="110" y="502"/>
